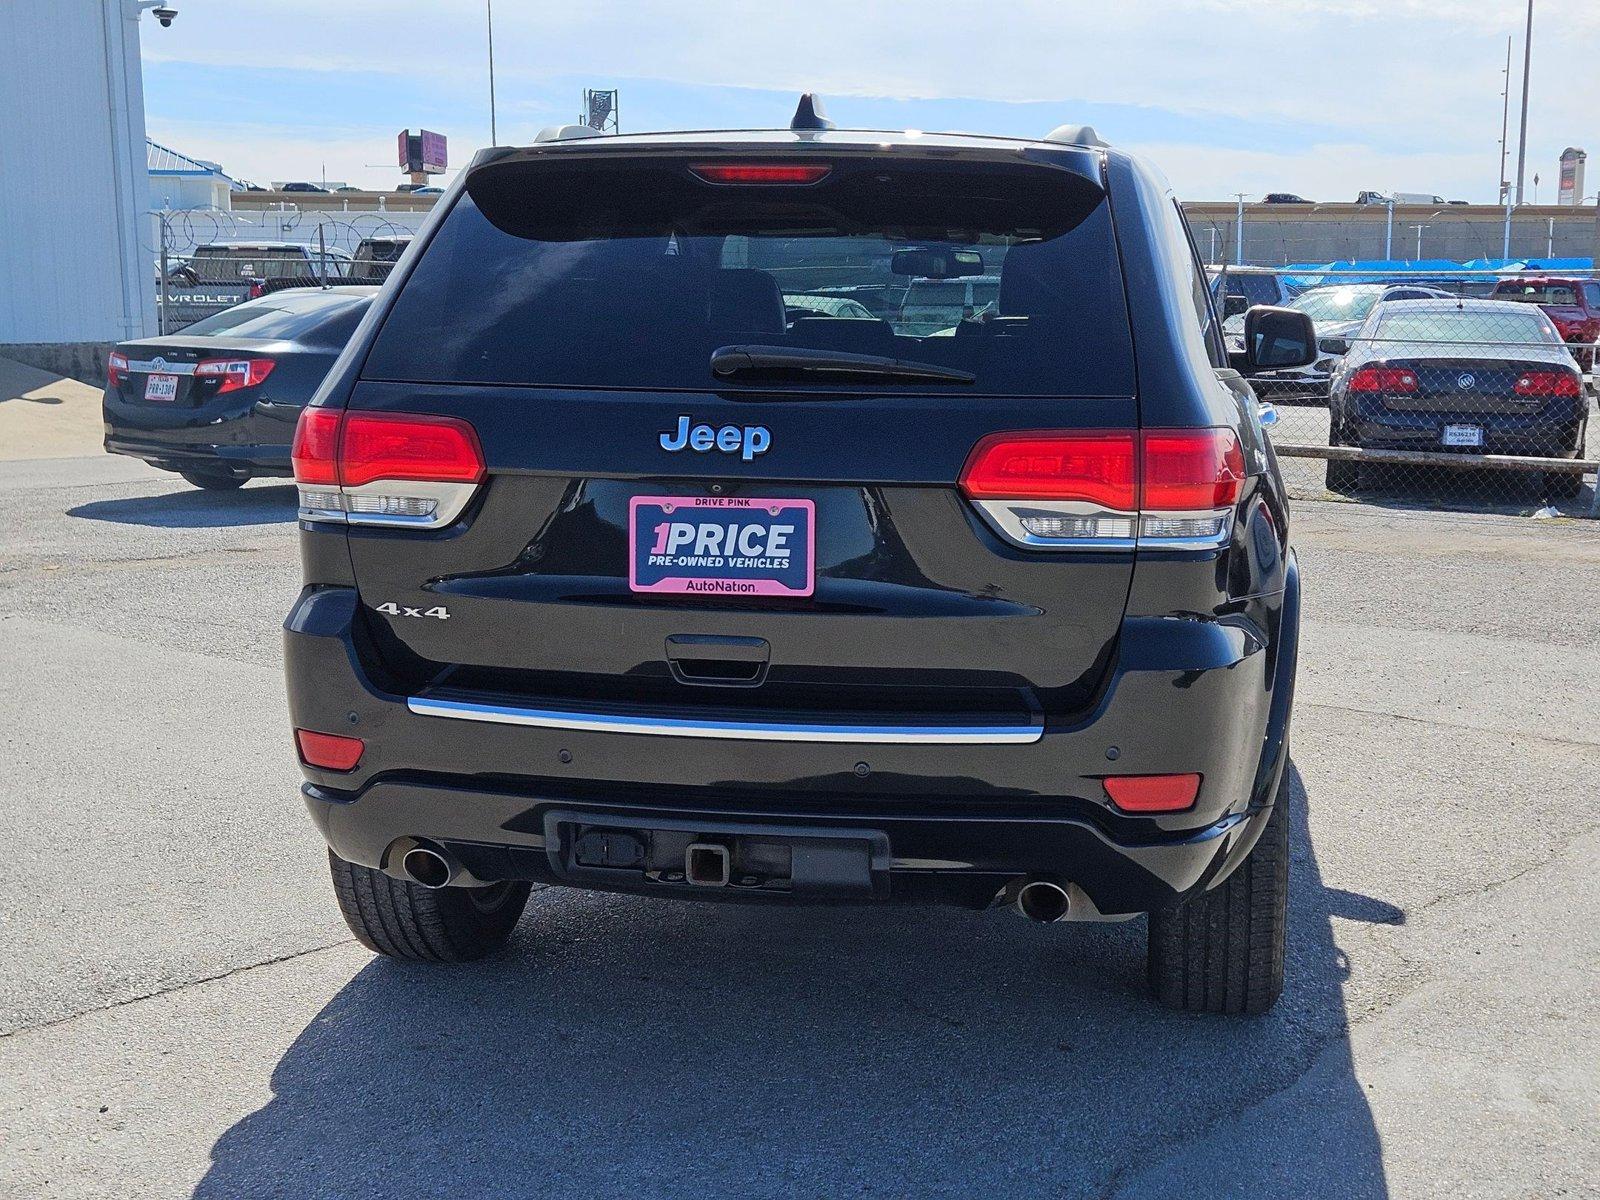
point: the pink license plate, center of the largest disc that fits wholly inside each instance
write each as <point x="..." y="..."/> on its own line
<point x="722" y="546"/>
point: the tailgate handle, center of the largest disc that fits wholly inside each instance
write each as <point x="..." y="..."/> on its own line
<point x="708" y="658"/>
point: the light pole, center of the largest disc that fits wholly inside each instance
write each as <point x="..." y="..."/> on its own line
<point x="1522" y="136"/>
<point x="1505" y="123"/>
<point x="488" y="10"/>
<point x="1238" y="236"/>
<point x="1388" y="231"/>
<point x="1419" y="229"/>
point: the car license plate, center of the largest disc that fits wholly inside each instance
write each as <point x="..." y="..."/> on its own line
<point x="1463" y="435"/>
<point x="161" y="387"/>
<point x="722" y="546"/>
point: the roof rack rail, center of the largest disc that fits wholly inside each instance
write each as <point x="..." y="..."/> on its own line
<point x="1077" y="135"/>
<point x="809" y="116"/>
<point x="566" y="133"/>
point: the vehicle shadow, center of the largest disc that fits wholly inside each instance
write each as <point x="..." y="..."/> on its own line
<point x="628" y="1047"/>
<point x="193" y="508"/>
<point x="1507" y="493"/>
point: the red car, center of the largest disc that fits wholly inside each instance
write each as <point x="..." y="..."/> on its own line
<point x="1573" y="304"/>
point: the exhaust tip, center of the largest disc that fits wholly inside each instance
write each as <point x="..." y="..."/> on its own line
<point x="1043" y="900"/>
<point x="426" y="867"/>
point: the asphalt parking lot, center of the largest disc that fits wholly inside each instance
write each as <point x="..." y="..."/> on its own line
<point x="183" y="1011"/>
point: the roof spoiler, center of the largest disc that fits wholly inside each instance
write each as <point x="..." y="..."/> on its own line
<point x="1077" y="135"/>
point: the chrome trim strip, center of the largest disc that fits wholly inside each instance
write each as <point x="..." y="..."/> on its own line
<point x="148" y="367"/>
<point x="750" y="731"/>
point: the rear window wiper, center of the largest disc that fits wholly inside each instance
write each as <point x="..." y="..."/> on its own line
<point x="728" y="361"/>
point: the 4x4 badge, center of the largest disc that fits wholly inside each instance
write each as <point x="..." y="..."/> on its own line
<point x="747" y="440"/>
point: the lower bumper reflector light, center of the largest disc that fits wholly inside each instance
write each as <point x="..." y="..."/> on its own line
<point x="1152" y="793"/>
<point x="328" y="751"/>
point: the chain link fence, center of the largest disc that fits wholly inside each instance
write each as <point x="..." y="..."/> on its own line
<point x="206" y="260"/>
<point x="1465" y="389"/>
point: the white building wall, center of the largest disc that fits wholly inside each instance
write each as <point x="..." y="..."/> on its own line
<point x="188" y="191"/>
<point x="73" y="180"/>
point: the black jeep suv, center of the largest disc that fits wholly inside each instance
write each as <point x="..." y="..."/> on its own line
<point x="624" y="573"/>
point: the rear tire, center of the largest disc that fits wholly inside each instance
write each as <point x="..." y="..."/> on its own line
<point x="1343" y="477"/>
<point x="1222" y="950"/>
<point x="1563" y="485"/>
<point x="405" y="920"/>
<point x="214" y="481"/>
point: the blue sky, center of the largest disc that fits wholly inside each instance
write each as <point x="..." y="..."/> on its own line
<point x="1322" y="97"/>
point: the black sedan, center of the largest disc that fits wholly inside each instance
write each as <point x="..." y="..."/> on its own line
<point x="1458" y="376"/>
<point x="218" y="402"/>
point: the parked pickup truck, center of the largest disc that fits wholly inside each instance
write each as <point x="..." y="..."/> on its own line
<point x="221" y="274"/>
<point x="1573" y="304"/>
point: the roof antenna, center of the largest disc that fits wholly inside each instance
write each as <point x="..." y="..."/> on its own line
<point x="809" y="116"/>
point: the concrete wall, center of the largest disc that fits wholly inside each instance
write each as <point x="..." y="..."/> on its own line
<point x="1275" y="234"/>
<point x="72" y="153"/>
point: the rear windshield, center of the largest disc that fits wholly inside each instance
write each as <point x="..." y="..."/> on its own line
<point x="1510" y="326"/>
<point x="217" y="264"/>
<point x="274" y="317"/>
<point x="622" y="274"/>
<point x="1537" y="293"/>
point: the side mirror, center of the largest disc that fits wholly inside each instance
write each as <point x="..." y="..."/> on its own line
<point x="1276" y="339"/>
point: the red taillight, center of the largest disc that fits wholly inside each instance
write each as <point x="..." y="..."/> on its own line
<point x="329" y="751"/>
<point x="790" y="173"/>
<point x="1152" y="793"/>
<point x="1088" y="489"/>
<point x="1547" y="383"/>
<point x="406" y="447"/>
<point x="1098" y="468"/>
<point x="1384" y="379"/>
<point x="315" y="453"/>
<point x="1165" y="470"/>
<point x="1191" y="470"/>
<point x="235" y="373"/>
<point x="116" y="369"/>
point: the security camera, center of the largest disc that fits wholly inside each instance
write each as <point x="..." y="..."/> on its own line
<point x="165" y="15"/>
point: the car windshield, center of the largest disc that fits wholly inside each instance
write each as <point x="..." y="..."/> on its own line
<point x="1487" y="326"/>
<point x="633" y="274"/>
<point x="1337" y="303"/>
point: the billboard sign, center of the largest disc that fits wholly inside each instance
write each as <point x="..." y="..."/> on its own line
<point x="423" y="152"/>
<point x="1572" y="161"/>
<point x="434" y="157"/>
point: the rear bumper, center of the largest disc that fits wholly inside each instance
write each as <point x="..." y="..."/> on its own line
<point x="251" y="440"/>
<point x="254" y="460"/>
<point x="958" y="820"/>
<point x="1543" y="434"/>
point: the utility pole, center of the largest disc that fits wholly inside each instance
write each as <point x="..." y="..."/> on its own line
<point x="1522" y="136"/>
<point x="1505" y="124"/>
<point x="488" y="8"/>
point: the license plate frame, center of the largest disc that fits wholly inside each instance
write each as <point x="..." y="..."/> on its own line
<point x="161" y="389"/>
<point x="776" y="549"/>
<point x="1462" y="436"/>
